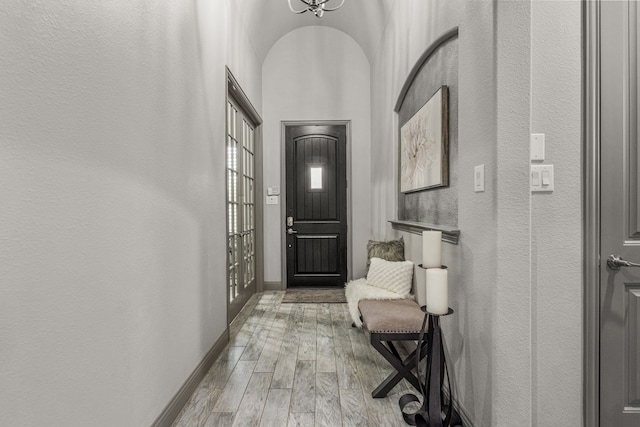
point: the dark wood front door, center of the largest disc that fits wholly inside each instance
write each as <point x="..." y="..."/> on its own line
<point x="316" y="205"/>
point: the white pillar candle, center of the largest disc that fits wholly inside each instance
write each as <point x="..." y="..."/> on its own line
<point x="437" y="292"/>
<point x="432" y="249"/>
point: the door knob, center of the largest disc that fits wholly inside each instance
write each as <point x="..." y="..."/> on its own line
<point x="291" y="231"/>
<point x="614" y="262"/>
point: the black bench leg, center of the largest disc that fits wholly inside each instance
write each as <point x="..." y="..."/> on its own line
<point x="393" y="349"/>
<point x="402" y="368"/>
<point x="385" y="386"/>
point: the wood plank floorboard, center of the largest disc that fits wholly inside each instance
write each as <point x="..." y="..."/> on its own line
<point x="303" y="398"/>
<point x="346" y="368"/>
<point x="308" y="334"/>
<point x="219" y="419"/>
<point x="325" y="349"/>
<point x="269" y="355"/>
<point x="353" y="408"/>
<point x="277" y="331"/>
<point x="380" y="412"/>
<point x="256" y="344"/>
<point x="294" y="365"/>
<point x="328" y="412"/>
<point x="276" y="410"/>
<point x="221" y="370"/>
<point x="301" y="419"/>
<point x="233" y="391"/>
<point x="284" y="370"/>
<point x="253" y="401"/>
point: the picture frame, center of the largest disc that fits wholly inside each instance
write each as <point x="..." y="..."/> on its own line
<point x="424" y="146"/>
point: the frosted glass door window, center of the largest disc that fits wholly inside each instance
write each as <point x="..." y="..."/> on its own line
<point x="316" y="178"/>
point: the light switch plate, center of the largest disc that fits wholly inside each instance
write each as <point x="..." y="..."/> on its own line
<point x="478" y="179"/>
<point x="273" y="191"/>
<point x="536" y="148"/>
<point x="272" y="200"/>
<point x="541" y="178"/>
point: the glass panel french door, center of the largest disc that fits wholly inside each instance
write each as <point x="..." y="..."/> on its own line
<point x="241" y="209"/>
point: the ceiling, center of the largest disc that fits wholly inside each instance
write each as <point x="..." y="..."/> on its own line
<point x="269" y="20"/>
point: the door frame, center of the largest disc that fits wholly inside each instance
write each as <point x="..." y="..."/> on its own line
<point x="591" y="208"/>
<point x="283" y="191"/>
<point x="240" y="97"/>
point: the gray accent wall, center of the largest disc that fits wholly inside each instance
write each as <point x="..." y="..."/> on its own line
<point x="436" y="205"/>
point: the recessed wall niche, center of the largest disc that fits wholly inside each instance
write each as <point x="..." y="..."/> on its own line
<point x="437" y="67"/>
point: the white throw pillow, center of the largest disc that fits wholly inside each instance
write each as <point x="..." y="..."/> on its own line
<point x="394" y="276"/>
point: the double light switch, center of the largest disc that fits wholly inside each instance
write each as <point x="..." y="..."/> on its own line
<point x="541" y="178"/>
<point x="541" y="175"/>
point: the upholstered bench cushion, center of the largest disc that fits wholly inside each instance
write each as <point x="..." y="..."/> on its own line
<point x="357" y="290"/>
<point x="395" y="316"/>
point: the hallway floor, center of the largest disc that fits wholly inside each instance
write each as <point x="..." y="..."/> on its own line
<point x="294" y="365"/>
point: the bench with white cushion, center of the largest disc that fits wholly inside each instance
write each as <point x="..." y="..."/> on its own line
<point x="382" y="303"/>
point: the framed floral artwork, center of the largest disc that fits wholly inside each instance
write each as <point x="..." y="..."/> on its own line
<point x="424" y="146"/>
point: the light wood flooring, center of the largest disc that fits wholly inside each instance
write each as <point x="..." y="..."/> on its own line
<point x="294" y="365"/>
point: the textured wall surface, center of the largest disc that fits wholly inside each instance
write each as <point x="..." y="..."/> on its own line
<point x="509" y="283"/>
<point x="556" y="243"/>
<point x="328" y="82"/>
<point x="513" y="358"/>
<point x="438" y="205"/>
<point x="112" y="232"/>
<point x="413" y="26"/>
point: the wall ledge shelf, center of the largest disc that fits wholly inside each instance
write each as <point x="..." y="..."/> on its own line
<point x="449" y="234"/>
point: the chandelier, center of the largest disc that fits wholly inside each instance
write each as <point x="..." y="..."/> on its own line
<point x="318" y="7"/>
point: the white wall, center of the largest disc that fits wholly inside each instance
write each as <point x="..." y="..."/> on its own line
<point x="327" y="79"/>
<point x="112" y="261"/>
<point x="513" y="358"/>
<point x="514" y="361"/>
<point x="556" y="255"/>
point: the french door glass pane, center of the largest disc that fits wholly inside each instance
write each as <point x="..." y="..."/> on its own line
<point x="232" y="202"/>
<point x="240" y="162"/>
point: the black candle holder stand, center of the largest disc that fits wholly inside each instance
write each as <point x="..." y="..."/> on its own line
<point x="443" y="267"/>
<point x="434" y="404"/>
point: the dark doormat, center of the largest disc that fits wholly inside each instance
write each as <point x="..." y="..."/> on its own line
<point x="314" y="296"/>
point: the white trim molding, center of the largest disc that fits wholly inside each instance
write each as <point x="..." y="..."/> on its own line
<point x="591" y="209"/>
